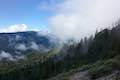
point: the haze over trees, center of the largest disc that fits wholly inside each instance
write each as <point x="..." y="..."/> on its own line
<point x="101" y="50"/>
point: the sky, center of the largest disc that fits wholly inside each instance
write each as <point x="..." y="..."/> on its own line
<point x="28" y="12"/>
<point x="65" y="18"/>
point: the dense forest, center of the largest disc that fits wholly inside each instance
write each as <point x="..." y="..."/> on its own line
<point x="89" y="53"/>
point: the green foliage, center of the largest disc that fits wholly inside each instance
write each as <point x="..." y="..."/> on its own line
<point x="100" y="55"/>
<point x="98" y="71"/>
<point x="102" y="68"/>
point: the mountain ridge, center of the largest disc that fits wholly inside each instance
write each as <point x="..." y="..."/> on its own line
<point x="20" y="43"/>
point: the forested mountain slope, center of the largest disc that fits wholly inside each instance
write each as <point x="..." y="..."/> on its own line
<point x="93" y="58"/>
<point x="15" y="45"/>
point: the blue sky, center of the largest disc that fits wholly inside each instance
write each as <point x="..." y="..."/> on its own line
<point x="65" y="18"/>
<point x="25" y="12"/>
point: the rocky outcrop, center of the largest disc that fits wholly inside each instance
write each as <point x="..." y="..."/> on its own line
<point x="115" y="75"/>
<point x="80" y="76"/>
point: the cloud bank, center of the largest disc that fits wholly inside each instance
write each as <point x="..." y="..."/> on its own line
<point x="21" y="47"/>
<point x="34" y="46"/>
<point x="48" y="5"/>
<point x="15" y="28"/>
<point x="79" y="18"/>
<point x="6" y="55"/>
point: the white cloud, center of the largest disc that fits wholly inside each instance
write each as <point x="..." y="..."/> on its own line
<point x="80" y="18"/>
<point x="43" y="33"/>
<point x="44" y="7"/>
<point x="5" y="55"/>
<point x="15" y="28"/>
<point x="49" y="6"/>
<point x="42" y="48"/>
<point x="21" y="47"/>
<point x="34" y="46"/>
<point x="8" y="56"/>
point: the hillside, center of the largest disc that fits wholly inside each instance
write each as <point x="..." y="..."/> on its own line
<point x="99" y="62"/>
<point x="93" y="58"/>
<point x="101" y="70"/>
<point x="16" y="45"/>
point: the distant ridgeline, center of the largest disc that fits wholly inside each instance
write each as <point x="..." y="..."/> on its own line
<point x="15" y="45"/>
<point x="99" y="55"/>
